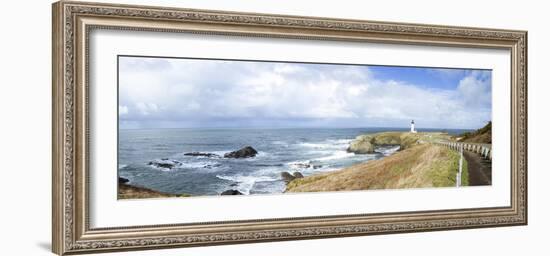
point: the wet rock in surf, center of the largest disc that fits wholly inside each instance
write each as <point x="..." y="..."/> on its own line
<point x="287" y="177"/>
<point x="210" y="166"/>
<point x="122" y="180"/>
<point x="231" y="192"/>
<point x="298" y="175"/>
<point x="245" y="152"/>
<point x="165" y="163"/>
<point x="201" y="154"/>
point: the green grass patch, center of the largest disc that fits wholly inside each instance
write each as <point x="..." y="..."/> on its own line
<point x="443" y="171"/>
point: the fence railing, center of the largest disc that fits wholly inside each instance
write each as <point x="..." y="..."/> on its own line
<point x="484" y="150"/>
<point x="459" y="173"/>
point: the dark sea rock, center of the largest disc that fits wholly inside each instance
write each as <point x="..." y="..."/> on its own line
<point x="245" y="152"/>
<point x="122" y="180"/>
<point x="231" y="192"/>
<point x="298" y="175"/>
<point x="165" y="163"/>
<point x="287" y="177"/>
<point x="201" y="154"/>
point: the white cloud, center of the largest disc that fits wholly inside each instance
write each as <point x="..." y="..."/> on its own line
<point x="210" y="91"/>
<point x="147" y="108"/>
<point x="476" y="89"/>
<point x="122" y="110"/>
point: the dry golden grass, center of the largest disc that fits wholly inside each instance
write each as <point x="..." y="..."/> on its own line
<point x="126" y="191"/>
<point x="420" y="166"/>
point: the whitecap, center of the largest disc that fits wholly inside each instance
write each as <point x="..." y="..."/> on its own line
<point x="122" y="166"/>
<point x="220" y="152"/>
<point x="280" y="143"/>
<point x="327" y="144"/>
<point x="340" y="141"/>
<point x="301" y="165"/>
<point x="336" y="156"/>
<point x="245" y="183"/>
<point x="157" y="164"/>
<point x="199" y="164"/>
<point x="387" y="150"/>
<point x="316" y="145"/>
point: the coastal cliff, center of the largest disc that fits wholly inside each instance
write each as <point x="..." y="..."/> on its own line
<point x="419" y="164"/>
<point x="366" y="144"/>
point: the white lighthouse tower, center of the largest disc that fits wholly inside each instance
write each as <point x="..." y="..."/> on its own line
<point x="412" y="127"/>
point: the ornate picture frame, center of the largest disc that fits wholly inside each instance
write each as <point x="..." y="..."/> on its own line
<point x="72" y="23"/>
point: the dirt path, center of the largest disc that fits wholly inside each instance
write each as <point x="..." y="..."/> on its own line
<point x="479" y="169"/>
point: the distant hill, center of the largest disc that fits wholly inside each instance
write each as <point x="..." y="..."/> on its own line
<point x="482" y="135"/>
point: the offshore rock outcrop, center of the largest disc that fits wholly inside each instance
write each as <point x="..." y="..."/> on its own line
<point x="362" y="145"/>
<point x="201" y="154"/>
<point x="245" y="152"/>
<point x="366" y="144"/>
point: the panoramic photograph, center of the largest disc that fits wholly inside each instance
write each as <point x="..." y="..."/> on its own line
<point x="211" y="127"/>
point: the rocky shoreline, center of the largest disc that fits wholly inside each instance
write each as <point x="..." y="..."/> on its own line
<point x="434" y="165"/>
<point x="130" y="191"/>
<point x="362" y="144"/>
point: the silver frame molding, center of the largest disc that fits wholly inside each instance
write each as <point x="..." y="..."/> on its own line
<point x="72" y="22"/>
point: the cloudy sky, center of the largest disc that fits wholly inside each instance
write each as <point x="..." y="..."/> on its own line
<point x="186" y="93"/>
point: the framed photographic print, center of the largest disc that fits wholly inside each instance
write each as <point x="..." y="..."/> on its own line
<point x="179" y="127"/>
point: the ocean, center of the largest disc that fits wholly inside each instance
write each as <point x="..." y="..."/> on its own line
<point x="306" y="150"/>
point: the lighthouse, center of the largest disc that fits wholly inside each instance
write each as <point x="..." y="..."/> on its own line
<point x="412" y="127"/>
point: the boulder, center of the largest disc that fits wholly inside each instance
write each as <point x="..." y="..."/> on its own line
<point x="287" y="177"/>
<point x="298" y="175"/>
<point x="201" y="154"/>
<point x="245" y="152"/>
<point x="361" y="145"/>
<point x="231" y="192"/>
<point x="165" y="163"/>
<point x="122" y="180"/>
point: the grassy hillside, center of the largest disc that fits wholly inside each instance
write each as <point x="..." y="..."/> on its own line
<point x="482" y="135"/>
<point x="126" y="191"/>
<point x="420" y="166"/>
